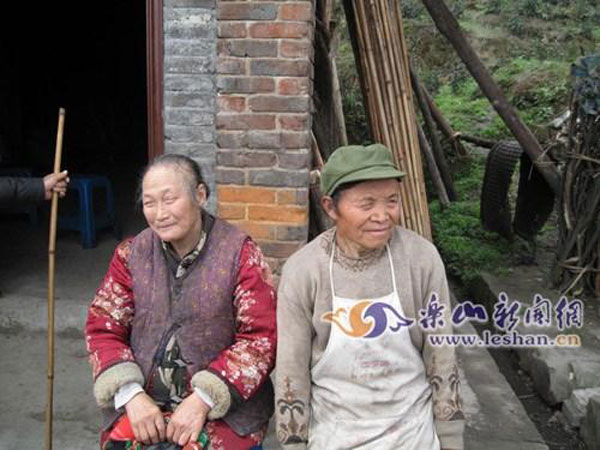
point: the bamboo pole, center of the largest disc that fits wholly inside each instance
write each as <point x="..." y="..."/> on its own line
<point x="434" y="172"/>
<point x="419" y="178"/>
<point x="337" y="104"/>
<point x="396" y="139"/>
<point x="388" y="79"/>
<point x="380" y="53"/>
<point x="436" y="146"/>
<point x="351" y="21"/>
<point x="51" y="260"/>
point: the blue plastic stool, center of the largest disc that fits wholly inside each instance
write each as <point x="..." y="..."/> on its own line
<point x="87" y="221"/>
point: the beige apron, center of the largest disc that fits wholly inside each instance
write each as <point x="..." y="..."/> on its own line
<point x="369" y="389"/>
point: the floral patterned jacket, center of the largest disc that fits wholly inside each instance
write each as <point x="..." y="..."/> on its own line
<point x="242" y="367"/>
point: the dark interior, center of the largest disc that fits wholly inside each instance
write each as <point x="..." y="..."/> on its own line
<point x="89" y="59"/>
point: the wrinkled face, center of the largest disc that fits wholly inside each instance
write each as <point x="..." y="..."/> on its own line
<point x="169" y="207"/>
<point x="367" y="213"/>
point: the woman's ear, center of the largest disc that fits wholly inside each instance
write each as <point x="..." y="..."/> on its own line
<point x="329" y="207"/>
<point x="201" y="194"/>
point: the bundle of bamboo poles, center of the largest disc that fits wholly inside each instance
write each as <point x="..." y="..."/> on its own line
<point x="381" y="55"/>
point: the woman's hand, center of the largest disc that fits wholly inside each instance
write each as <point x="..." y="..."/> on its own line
<point x="146" y="419"/>
<point x="188" y="420"/>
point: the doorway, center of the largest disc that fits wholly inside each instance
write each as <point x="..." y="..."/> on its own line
<point x="94" y="63"/>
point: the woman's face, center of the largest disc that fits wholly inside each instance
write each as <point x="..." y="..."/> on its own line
<point x="367" y="213"/>
<point x="169" y="208"/>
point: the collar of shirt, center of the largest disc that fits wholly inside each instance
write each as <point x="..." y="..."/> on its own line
<point x="179" y="266"/>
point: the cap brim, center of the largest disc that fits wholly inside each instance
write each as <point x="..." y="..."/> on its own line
<point x="367" y="174"/>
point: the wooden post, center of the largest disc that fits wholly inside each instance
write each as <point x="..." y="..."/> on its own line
<point x="450" y="28"/>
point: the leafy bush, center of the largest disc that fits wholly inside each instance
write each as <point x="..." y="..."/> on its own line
<point x="494" y="6"/>
<point x="412" y="9"/>
<point x="458" y="8"/>
<point x="531" y="8"/>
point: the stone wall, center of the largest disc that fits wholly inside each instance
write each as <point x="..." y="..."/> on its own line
<point x="263" y="122"/>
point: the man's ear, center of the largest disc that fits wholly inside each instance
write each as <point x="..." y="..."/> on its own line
<point x="329" y="207"/>
<point x="201" y="194"/>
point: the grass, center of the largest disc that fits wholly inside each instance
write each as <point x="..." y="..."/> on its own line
<point x="466" y="248"/>
<point x="538" y="89"/>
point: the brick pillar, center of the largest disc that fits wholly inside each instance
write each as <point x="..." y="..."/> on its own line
<point x="264" y="71"/>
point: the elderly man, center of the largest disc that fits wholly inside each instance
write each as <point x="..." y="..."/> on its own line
<point x="355" y="368"/>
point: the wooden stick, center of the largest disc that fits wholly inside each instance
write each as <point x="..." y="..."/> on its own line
<point x="391" y="119"/>
<point x="51" y="259"/>
<point x="436" y="179"/>
<point x="353" y="32"/>
<point x="317" y="157"/>
<point x="337" y="103"/>
<point x="443" y="124"/>
<point x="481" y="142"/>
<point x="436" y="146"/>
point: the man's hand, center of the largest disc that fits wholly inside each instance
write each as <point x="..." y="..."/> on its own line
<point x="55" y="182"/>
<point x="188" y="420"/>
<point x="146" y="419"/>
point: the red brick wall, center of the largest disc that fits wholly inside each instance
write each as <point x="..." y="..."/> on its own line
<point x="264" y="72"/>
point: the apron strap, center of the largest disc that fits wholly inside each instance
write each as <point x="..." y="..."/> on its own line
<point x="333" y="245"/>
<point x="389" y="252"/>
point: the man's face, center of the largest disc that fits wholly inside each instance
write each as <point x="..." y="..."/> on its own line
<point x="367" y="213"/>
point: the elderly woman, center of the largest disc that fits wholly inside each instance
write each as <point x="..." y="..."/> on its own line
<point x="354" y="366"/>
<point x="182" y="332"/>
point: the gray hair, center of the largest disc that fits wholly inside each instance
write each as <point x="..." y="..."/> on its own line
<point x="189" y="167"/>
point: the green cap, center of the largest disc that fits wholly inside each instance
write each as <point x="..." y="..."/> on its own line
<point x="357" y="163"/>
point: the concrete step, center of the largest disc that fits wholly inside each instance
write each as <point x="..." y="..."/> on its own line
<point x="561" y="375"/>
<point x="495" y="416"/>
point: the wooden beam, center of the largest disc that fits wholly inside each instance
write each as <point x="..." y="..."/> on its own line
<point x="449" y="27"/>
<point x="154" y="75"/>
